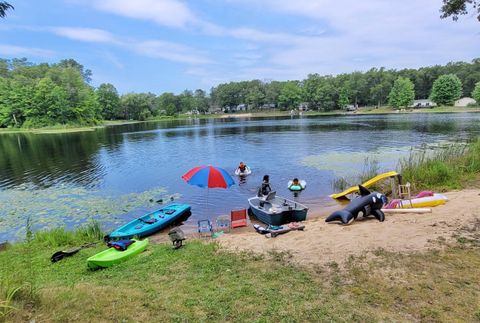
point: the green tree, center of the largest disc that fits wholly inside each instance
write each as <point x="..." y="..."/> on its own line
<point x="186" y="101"/>
<point x="71" y="63"/>
<point x="476" y="93"/>
<point x="14" y="101"/>
<point x="290" y="96"/>
<point x="255" y="96"/>
<point x="310" y="87"/>
<point x="200" y="100"/>
<point x="108" y="100"/>
<point x="325" y="95"/>
<point x="358" y="87"/>
<point x="446" y="89"/>
<point x="49" y="103"/>
<point x="272" y="92"/>
<point x="138" y="106"/>
<point x="343" y="100"/>
<point x="455" y="8"/>
<point x="402" y="93"/>
<point x="167" y="103"/>
<point x="4" y="6"/>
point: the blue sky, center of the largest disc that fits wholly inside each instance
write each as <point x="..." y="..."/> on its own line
<point x="172" y="45"/>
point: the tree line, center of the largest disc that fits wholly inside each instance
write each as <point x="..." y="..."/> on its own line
<point x="326" y="93"/>
<point x="37" y="95"/>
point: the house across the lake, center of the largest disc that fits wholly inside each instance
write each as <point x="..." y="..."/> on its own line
<point x="423" y="103"/>
<point x="464" y="102"/>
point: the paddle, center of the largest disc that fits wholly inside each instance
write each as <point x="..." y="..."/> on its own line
<point x="59" y="255"/>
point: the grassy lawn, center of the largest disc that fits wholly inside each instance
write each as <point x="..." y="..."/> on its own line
<point x="200" y="282"/>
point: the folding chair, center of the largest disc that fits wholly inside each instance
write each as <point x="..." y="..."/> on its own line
<point x="205" y="228"/>
<point x="238" y="218"/>
<point x="222" y="223"/>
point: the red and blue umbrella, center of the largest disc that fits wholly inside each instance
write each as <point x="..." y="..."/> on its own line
<point x="209" y="176"/>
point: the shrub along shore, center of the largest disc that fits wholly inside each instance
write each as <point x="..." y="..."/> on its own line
<point x="202" y="282"/>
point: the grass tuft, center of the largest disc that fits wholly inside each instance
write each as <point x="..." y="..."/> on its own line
<point x="444" y="170"/>
<point x="88" y="232"/>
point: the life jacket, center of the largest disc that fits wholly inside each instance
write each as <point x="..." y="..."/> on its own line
<point x="120" y="245"/>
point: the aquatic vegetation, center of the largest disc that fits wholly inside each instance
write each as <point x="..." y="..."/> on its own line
<point x="345" y="164"/>
<point x="445" y="169"/>
<point x="65" y="206"/>
<point x="370" y="169"/>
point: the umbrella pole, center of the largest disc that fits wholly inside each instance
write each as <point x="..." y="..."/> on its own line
<point x="206" y="207"/>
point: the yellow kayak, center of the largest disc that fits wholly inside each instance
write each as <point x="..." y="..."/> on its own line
<point x="368" y="183"/>
<point x="427" y="201"/>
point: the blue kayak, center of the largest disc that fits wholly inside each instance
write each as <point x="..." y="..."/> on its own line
<point x="151" y="222"/>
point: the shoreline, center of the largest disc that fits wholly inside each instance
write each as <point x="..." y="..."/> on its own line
<point x="252" y="115"/>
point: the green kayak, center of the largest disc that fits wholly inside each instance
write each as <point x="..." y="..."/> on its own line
<point x="112" y="256"/>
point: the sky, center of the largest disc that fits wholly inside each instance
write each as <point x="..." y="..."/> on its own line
<point x="171" y="45"/>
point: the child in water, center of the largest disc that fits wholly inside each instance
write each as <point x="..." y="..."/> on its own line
<point x="295" y="182"/>
<point x="242" y="167"/>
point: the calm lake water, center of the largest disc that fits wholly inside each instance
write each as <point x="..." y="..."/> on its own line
<point x="117" y="173"/>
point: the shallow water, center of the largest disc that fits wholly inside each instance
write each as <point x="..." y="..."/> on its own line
<point x="111" y="174"/>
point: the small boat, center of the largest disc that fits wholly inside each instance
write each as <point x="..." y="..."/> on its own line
<point x="301" y="185"/>
<point x="151" y="222"/>
<point x="246" y="172"/>
<point x="276" y="210"/>
<point x="112" y="256"/>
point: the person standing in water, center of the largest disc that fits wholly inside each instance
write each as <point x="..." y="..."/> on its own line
<point x="265" y="188"/>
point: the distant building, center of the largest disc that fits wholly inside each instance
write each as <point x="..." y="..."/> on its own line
<point x="303" y="106"/>
<point x="193" y="112"/>
<point x="463" y="102"/>
<point x="241" y="107"/>
<point x="351" y="107"/>
<point x="214" y="110"/>
<point x="268" y="106"/>
<point x="424" y="103"/>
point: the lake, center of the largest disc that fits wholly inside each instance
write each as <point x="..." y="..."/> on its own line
<point x="116" y="173"/>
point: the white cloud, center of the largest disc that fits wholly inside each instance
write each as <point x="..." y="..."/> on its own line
<point x="151" y="48"/>
<point x="357" y="35"/>
<point x="11" y="50"/>
<point x="84" y="34"/>
<point x="170" y="51"/>
<point x="169" y="13"/>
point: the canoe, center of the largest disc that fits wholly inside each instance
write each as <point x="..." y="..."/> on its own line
<point x="151" y="222"/>
<point x="276" y="210"/>
<point x="112" y="256"/>
<point x="301" y="186"/>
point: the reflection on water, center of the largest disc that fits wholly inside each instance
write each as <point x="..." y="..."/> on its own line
<point x="136" y="158"/>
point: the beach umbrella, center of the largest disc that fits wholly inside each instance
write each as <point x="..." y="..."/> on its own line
<point x="209" y="177"/>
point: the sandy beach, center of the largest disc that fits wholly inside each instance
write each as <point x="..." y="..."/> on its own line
<point x="322" y="242"/>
